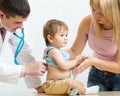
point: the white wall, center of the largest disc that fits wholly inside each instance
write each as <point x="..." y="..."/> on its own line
<point x="70" y="11"/>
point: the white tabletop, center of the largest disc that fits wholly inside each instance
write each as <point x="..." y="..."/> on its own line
<point x="107" y="93"/>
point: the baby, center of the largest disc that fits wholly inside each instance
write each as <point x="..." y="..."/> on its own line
<point x="60" y="65"/>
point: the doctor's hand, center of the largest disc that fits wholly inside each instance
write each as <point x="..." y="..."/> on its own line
<point x="38" y="68"/>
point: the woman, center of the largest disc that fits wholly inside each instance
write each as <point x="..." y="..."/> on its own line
<point x="102" y="31"/>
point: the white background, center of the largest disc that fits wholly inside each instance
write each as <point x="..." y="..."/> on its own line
<point x="70" y="11"/>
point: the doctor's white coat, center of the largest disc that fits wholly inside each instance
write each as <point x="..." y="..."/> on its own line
<point x="10" y="72"/>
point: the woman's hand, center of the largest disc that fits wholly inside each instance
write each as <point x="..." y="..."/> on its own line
<point x="86" y="63"/>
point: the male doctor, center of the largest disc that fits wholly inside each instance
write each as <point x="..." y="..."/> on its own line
<point x="12" y="15"/>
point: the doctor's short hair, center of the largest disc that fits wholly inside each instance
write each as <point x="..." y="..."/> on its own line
<point x="12" y="8"/>
<point x="51" y="27"/>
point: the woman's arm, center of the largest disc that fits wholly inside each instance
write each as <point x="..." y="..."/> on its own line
<point x="81" y="37"/>
<point x="111" y="66"/>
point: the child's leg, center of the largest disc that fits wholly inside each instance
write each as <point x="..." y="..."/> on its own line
<point x="78" y="85"/>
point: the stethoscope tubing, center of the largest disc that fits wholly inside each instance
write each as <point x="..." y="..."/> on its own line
<point x="19" y="47"/>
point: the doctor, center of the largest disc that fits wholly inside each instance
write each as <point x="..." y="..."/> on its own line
<point x="12" y="15"/>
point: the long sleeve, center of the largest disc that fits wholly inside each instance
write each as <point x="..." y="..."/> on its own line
<point x="9" y="73"/>
<point x="25" y="57"/>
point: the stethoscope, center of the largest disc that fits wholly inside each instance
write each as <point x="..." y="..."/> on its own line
<point x="20" y="45"/>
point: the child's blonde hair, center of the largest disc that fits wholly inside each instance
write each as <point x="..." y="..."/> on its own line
<point x="110" y="10"/>
<point x="52" y="27"/>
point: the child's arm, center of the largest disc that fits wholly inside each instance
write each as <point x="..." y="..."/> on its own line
<point x="62" y="64"/>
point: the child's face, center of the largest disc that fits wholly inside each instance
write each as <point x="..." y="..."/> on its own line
<point x="60" y="39"/>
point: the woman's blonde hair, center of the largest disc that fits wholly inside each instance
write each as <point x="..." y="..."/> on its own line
<point x="110" y="10"/>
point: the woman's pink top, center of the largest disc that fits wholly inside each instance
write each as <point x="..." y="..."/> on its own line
<point x="103" y="47"/>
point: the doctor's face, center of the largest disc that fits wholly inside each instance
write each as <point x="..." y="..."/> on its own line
<point x="12" y="23"/>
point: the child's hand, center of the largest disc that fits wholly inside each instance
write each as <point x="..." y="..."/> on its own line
<point x="87" y="62"/>
<point x="79" y="59"/>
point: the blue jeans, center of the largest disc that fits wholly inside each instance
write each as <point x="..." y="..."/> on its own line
<point x="106" y="80"/>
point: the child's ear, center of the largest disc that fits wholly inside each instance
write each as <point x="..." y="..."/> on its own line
<point x="50" y="38"/>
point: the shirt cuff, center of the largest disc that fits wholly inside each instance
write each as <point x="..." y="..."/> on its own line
<point x="22" y="71"/>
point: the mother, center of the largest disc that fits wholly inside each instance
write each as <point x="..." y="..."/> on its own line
<point x="102" y="31"/>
